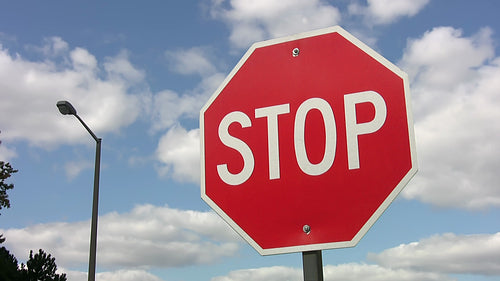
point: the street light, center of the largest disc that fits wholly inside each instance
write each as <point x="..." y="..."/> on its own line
<point x="67" y="109"/>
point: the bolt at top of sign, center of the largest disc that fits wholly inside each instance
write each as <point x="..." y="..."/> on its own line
<point x="306" y="142"/>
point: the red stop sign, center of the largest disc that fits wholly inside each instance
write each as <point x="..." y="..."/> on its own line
<point x="307" y="142"/>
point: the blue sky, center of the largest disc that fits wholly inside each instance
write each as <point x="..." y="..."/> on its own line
<point x="138" y="74"/>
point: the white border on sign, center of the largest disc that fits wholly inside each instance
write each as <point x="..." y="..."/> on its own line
<point x="387" y="201"/>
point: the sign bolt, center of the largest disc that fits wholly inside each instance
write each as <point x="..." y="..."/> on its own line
<point x="306" y="228"/>
<point x="295" y="52"/>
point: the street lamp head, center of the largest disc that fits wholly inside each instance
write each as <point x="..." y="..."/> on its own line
<point x="66" y="108"/>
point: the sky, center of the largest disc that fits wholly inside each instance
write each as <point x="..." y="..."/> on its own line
<point x="138" y="74"/>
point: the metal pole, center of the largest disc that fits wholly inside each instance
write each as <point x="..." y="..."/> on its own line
<point x="312" y="263"/>
<point x="95" y="203"/>
<point x="66" y="108"/>
<point x="88" y="129"/>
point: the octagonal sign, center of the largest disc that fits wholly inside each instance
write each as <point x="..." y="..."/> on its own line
<point x="307" y="142"/>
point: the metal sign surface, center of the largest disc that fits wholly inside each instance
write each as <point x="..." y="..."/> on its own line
<point x="306" y="142"/>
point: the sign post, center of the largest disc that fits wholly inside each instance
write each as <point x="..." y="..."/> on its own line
<point x="306" y="143"/>
<point x="312" y="264"/>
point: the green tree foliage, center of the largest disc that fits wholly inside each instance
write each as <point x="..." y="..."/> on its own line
<point x="6" y="171"/>
<point x="41" y="267"/>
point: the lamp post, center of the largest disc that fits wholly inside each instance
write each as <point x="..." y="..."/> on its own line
<point x="67" y="109"/>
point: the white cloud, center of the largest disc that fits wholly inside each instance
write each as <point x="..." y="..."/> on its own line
<point x="146" y="237"/>
<point x="443" y="58"/>
<point x="191" y="61"/>
<point x="430" y="259"/>
<point x="107" y="98"/>
<point x="455" y="86"/>
<point x="169" y="107"/>
<point x="369" y="272"/>
<point x="262" y="274"/>
<point x="118" y="275"/>
<point x="387" y="11"/>
<point x="127" y="275"/>
<point x="447" y="253"/>
<point x="346" y="272"/>
<point x="119" y="68"/>
<point x="83" y="61"/>
<point x="179" y="152"/>
<point x="52" y="47"/>
<point x="252" y="21"/>
<point x="6" y="153"/>
<point x="74" y="168"/>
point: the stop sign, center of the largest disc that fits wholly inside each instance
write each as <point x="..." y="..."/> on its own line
<point x="307" y="142"/>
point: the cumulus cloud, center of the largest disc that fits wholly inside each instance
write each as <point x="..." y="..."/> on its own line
<point x="434" y="258"/>
<point x="108" y="95"/>
<point x="118" y="275"/>
<point x="52" y="47"/>
<point x="430" y="259"/>
<point x="447" y="253"/>
<point x="455" y="86"/>
<point x="351" y="271"/>
<point x="29" y="90"/>
<point x="6" y="153"/>
<point x="120" y="69"/>
<point x="372" y="272"/>
<point x="179" y="152"/>
<point x="387" y="11"/>
<point x="252" y="21"/>
<point x="169" y="107"/>
<point x="262" y="274"/>
<point x="148" y="236"/>
<point x="191" y="61"/>
<point x="126" y="275"/>
<point x="73" y="168"/>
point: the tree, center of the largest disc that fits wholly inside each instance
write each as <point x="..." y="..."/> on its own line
<point x="41" y="267"/>
<point x="9" y="270"/>
<point x="6" y="171"/>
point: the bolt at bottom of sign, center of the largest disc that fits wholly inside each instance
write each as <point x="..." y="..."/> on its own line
<point x="307" y="229"/>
